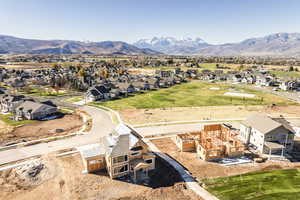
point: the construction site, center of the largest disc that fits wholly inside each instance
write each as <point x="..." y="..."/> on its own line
<point x="214" y="141"/>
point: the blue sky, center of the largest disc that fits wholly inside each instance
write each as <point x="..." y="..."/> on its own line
<point x="215" y="21"/>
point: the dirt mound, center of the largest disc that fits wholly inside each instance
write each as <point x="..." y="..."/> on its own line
<point x="25" y="177"/>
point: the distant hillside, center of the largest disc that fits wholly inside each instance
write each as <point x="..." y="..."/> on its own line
<point x="9" y="44"/>
<point x="279" y="44"/>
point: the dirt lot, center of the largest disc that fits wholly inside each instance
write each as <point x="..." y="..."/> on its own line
<point x="41" y="129"/>
<point x="202" y="169"/>
<point x="4" y="128"/>
<point x="62" y="178"/>
<point x="141" y="116"/>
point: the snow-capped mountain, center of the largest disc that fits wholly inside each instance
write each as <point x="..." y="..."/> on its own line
<point x="171" y="45"/>
<point x="278" y="44"/>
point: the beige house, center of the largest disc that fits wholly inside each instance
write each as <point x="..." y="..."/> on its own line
<point x="267" y="135"/>
<point x="121" y="153"/>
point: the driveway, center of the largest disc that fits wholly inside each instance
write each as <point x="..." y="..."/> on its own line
<point x="102" y="126"/>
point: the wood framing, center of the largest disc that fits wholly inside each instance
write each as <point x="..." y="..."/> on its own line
<point x="212" y="142"/>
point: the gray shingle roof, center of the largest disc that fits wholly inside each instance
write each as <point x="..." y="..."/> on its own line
<point x="262" y="123"/>
<point x="34" y="106"/>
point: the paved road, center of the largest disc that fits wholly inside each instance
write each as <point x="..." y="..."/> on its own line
<point x="102" y="126"/>
<point x="172" y="129"/>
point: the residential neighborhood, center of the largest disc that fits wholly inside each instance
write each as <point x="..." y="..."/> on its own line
<point x="149" y="100"/>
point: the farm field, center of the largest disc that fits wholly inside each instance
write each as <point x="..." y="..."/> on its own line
<point x="276" y="184"/>
<point x="194" y="94"/>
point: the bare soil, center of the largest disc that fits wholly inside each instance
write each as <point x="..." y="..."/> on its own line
<point x="203" y="169"/>
<point x="66" y="181"/>
<point x="41" y="129"/>
<point x="142" y="116"/>
<point x="4" y="128"/>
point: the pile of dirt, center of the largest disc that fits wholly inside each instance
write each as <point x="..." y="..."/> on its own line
<point x="25" y="177"/>
<point x="41" y="129"/>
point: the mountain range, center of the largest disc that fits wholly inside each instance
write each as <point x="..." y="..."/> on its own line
<point x="14" y="45"/>
<point x="171" y="45"/>
<point x="278" y="44"/>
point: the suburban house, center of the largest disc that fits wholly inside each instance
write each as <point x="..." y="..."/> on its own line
<point x="8" y="103"/>
<point x="289" y="85"/>
<point x="31" y="110"/>
<point x="97" y="92"/>
<point x="263" y="80"/>
<point x="123" y="153"/>
<point x="266" y="135"/>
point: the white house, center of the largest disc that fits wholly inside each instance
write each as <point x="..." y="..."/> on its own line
<point x="265" y="134"/>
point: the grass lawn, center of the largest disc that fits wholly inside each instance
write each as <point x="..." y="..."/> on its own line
<point x="269" y="185"/>
<point x="289" y="74"/>
<point x="193" y="94"/>
<point x="74" y="99"/>
<point x="8" y="121"/>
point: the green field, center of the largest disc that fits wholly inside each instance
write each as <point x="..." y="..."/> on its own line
<point x="288" y="74"/>
<point x="193" y="94"/>
<point x="7" y="119"/>
<point x="74" y="99"/>
<point x="269" y="185"/>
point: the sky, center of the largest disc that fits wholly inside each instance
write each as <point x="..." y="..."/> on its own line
<point x="215" y="21"/>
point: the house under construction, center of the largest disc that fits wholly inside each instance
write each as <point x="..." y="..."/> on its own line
<point x="121" y="153"/>
<point x="212" y="142"/>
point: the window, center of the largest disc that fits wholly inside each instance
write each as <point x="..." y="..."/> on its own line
<point x="148" y="161"/>
<point x="269" y="137"/>
<point x="95" y="161"/>
<point x="138" y="148"/>
<point x="121" y="169"/>
<point x="135" y="153"/>
<point x="120" y="159"/>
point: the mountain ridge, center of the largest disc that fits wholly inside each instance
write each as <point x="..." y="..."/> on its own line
<point x="15" y="45"/>
<point x="277" y="44"/>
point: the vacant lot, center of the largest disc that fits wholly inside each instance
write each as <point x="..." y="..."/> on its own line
<point x="41" y="129"/>
<point x="194" y="94"/>
<point x="62" y="178"/>
<point x="142" y="116"/>
<point x="276" y="184"/>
